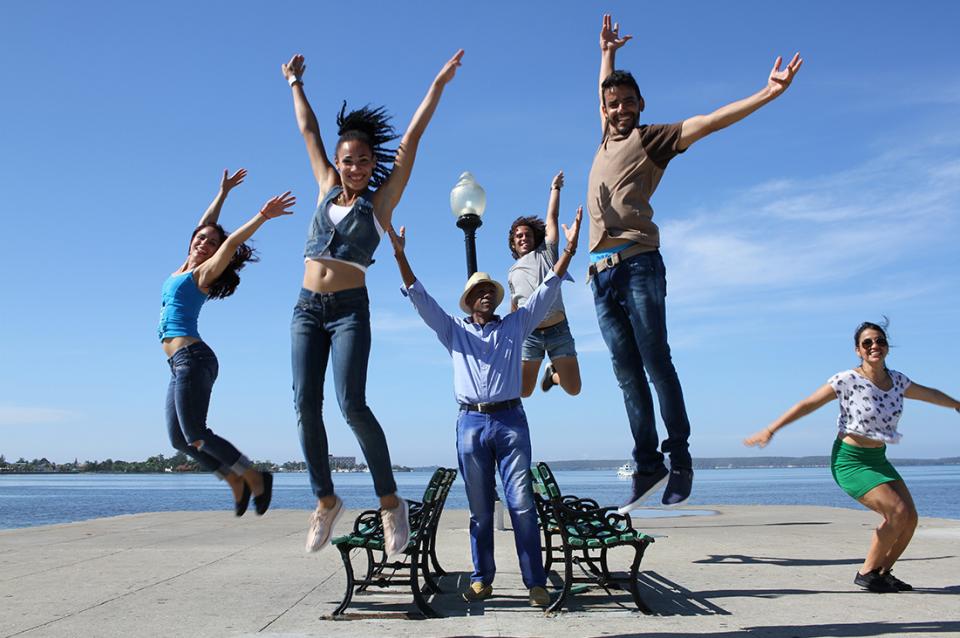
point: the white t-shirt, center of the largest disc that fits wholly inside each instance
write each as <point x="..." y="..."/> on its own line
<point x="867" y="410"/>
<point x="336" y="213"/>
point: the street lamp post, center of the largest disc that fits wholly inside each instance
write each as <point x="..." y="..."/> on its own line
<point x="467" y="201"/>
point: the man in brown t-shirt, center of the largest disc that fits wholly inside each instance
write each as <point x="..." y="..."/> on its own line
<point x="627" y="275"/>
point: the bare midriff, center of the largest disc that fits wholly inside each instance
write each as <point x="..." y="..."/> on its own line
<point x="560" y="316"/>
<point x="324" y="275"/>
<point x="172" y="344"/>
<point x="861" y="441"/>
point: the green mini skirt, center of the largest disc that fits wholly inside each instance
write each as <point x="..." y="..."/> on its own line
<point x="857" y="470"/>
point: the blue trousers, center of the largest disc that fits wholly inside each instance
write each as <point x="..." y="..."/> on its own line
<point x="631" y="309"/>
<point x="499" y="442"/>
<point x="193" y="369"/>
<point x="335" y="326"/>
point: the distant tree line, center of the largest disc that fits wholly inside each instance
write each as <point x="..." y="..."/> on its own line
<point x="179" y="462"/>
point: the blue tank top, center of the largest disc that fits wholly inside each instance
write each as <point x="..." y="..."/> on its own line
<point x="180" y="307"/>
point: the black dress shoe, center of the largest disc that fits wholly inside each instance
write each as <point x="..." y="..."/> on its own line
<point x="262" y="503"/>
<point x="239" y="507"/>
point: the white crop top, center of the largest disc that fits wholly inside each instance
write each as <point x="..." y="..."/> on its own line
<point x="336" y="213"/>
<point x="867" y="410"/>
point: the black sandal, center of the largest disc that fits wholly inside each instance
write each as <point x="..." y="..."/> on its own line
<point x="262" y="502"/>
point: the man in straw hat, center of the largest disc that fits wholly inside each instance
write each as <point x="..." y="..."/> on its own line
<point x="492" y="428"/>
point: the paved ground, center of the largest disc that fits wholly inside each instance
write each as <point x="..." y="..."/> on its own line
<point x="745" y="572"/>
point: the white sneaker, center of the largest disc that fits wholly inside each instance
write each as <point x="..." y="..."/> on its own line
<point x="322" y="522"/>
<point x="396" y="529"/>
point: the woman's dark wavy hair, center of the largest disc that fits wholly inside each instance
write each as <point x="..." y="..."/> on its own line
<point x="372" y="127"/>
<point x="226" y="284"/>
<point x="869" y="325"/>
<point x="538" y="227"/>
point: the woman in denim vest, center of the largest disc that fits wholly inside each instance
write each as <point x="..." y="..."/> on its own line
<point x="331" y="319"/>
<point x="209" y="272"/>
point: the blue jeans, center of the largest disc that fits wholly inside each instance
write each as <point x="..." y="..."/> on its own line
<point x="335" y="325"/>
<point x="193" y="370"/>
<point x="486" y="443"/>
<point x="631" y="309"/>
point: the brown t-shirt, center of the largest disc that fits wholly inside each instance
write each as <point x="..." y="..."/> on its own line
<point x="626" y="170"/>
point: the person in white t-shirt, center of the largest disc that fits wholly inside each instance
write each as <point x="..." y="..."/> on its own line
<point x="871" y="402"/>
<point x="533" y="243"/>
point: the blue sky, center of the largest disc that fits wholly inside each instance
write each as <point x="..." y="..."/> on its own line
<point x="834" y="204"/>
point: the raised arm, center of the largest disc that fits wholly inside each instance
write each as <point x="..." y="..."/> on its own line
<point x="573" y="236"/>
<point x="610" y="41"/>
<point x="208" y="272"/>
<point x="930" y="395"/>
<point x="388" y="196"/>
<point x="227" y="183"/>
<point x="699" y="126"/>
<point x="824" y="395"/>
<point x="323" y="170"/>
<point x="553" y="209"/>
<point x="399" y="242"/>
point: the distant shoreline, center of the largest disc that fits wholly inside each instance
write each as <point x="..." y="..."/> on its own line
<point x="720" y="463"/>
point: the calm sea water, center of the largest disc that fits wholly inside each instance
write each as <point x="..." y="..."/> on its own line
<point x="32" y="499"/>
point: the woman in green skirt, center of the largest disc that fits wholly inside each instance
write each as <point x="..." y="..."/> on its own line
<point x="871" y="402"/>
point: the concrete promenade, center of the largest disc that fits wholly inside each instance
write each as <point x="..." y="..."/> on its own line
<point x="747" y="571"/>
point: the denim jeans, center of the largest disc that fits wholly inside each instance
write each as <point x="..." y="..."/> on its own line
<point x="486" y="443"/>
<point x="193" y="370"/>
<point x="631" y="309"/>
<point x="335" y="326"/>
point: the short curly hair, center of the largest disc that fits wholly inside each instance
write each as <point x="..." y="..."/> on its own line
<point x="537" y="225"/>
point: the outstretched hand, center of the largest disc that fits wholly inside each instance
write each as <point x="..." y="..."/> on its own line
<point x="760" y="439"/>
<point x="277" y="206"/>
<point x="573" y="232"/>
<point x="557" y="182"/>
<point x="779" y="80"/>
<point x="449" y="69"/>
<point x="294" y="68"/>
<point x="399" y="241"/>
<point x="610" y="39"/>
<point x="229" y="181"/>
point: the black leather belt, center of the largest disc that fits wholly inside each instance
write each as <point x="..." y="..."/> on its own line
<point x="487" y="408"/>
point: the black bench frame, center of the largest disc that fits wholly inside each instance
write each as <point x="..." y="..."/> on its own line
<point x="579" y="531"/>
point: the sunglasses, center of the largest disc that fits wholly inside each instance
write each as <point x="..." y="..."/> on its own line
<point x="868" y="343"/>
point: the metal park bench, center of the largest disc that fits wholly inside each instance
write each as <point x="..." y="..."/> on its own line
<point x="579" y="531"/>
<point x="367" y="535"/>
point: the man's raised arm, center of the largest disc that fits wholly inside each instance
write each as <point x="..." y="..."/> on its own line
<point x="699" y="126"/>
<point x="610" y="41"/>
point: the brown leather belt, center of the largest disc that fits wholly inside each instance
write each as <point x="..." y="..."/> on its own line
<point x="616" y="258"/>
<point x="487" y="408"/>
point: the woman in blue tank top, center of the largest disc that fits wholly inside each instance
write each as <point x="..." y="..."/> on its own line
<point x="209" y="272"/>
<point x="332" y="319"/>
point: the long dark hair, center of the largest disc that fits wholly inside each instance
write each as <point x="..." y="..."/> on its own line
<point x="226" y="284"/>
<point x="538" y="227"/>
<point x="372" y="127"/>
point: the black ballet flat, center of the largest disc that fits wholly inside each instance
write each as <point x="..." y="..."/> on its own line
<point x="262" y="502"/>
<point x="239" y="507"/>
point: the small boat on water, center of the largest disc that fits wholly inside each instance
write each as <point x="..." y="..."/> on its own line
<point x="625" y="471"/>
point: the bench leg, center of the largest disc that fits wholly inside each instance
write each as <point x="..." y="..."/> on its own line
<point x="439" y="571"/>
<point x="634" y="571"/>
<point x="567" y="580"/>
<point x="348" y="568"/>
<point x="418" y="598"/>
<point x="548" y="548"/>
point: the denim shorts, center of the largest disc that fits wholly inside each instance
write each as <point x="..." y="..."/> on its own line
<point x="555" y="340"/>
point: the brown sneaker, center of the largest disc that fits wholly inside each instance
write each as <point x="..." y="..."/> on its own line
<point x="478" y="591"/>
<point x="539" y="597"/>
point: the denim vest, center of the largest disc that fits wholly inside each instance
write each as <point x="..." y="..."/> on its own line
<point x="354" y="239"/>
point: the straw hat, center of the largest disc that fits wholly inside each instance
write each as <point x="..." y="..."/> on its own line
<point x="476" y="279"/>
